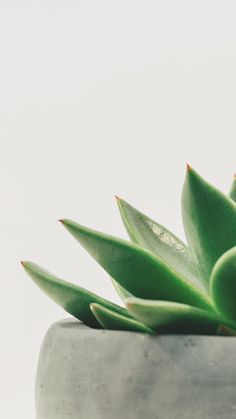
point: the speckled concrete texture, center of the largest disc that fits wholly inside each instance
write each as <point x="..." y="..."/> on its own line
<point x="95" y="374"/>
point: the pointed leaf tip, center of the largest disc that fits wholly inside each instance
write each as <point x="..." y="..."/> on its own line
<point x="26" y="264"/>
<point x="188" y="166"/>
<point x="92" y="306"/>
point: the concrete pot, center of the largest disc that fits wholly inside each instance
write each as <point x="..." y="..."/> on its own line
<point x="85" y="373"/>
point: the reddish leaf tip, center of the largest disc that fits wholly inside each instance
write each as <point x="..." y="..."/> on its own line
<point x="117" y="197"/>
<point x="22" y="263"/>
<point x="188" y="166"/>
<point x="61" y="221"/>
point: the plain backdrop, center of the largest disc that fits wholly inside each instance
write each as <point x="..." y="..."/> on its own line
<point x="99" y="98"/>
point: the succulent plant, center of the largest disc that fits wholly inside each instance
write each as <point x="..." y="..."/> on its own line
<point x="166" y="286"/>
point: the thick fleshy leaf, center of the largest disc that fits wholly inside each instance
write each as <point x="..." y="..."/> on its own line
<point x="232" y="192"/>
<point x="114" y="321"/>
<point x="75" y="300"/>
<point x="169" y="317"/>
<point x="123" y="293"/>
<point x="209" y="219"/>
<point x="223" y="285"/>
<point x="136" y="269"/>
<point x="158" y="240"/>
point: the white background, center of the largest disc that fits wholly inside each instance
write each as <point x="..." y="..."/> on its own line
<point x="97" y="98"/>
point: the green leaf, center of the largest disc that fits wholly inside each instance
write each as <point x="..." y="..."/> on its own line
<point x="114" y="321"/>
<point x="223" y="285"/>
<point x="136" y="269"/>
<point x="232" y="192"/>
<point x="169" y="317"/>
<point x="158" y="240"/>
<point x="123" y="293"/>
<point x="209" y="219"/>
<point x="75" y="300"/>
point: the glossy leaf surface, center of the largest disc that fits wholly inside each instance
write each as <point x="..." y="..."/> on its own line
<point x="114" y="321"/>
<point x="75" y="300"/>
<point x="158" y="240"/>
<point x="223" y="285"/>
<point x="232" y="192"/>
<point x="209" y="219"/>
<point x="136" y="269"/>
<point x="169" y="317"/>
